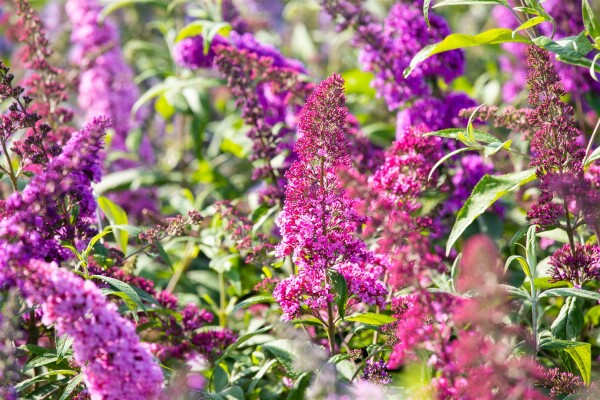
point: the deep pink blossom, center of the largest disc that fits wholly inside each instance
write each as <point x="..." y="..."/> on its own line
<point x="318" y="222"/>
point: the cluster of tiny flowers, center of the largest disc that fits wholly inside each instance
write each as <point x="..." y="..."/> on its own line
<point x="562" y="383"/>
<point x="106" y="87"/>
<point x="435" y="113"/>
<point x="388" y="49"/>
<point x="377" y="372"/>
<point x="31" y="149"/>
<point x="255" y="248"/>
<point x="556" y="153"/>
<point x="173" y="226"/>
<point x="513" y="119"/>
<point x="577" y="265"/>
<point x="45" y="82"/>
<point x="58" y="203"/>
<point x="318" y="222"/>
<point x="105" y="345"/>
<point x="568" y="21"/>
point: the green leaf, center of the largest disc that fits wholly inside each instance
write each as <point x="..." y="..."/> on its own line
<point x="572" y="47"/>
<point x="453" y="133"/>
<point x="220" y="378"/>
<point x="515" y="292"/>
<point x="238" y="343"/>
<point x="251" y="301"/>
<point x="297" y="392"/>
<point x="40" y="361"/>
<point x="426" y="5"/>
<point x="493" y="148"/>
<point x="172" y="84"/>
<point x="566" y="292"/>
<point x="446" y="157"/>
<point x="460" y="41"/>
<point x="63" y="344"/>
<point x="530" y="23"/>
<point x="468" y="2"/>
<point x="123" y="287"/>
<point x="582" y="357"/>
<point x="569" y="322"/>
<point x="531" y="250"/>
<point x="371" y="319"/>
<point x="522" y="263"/>
<point x="286" y="352"/>
<point x="340" y="289"/>
<point x="28" y="382"/>
<point x="71" y="386"/>
<point x="117" y="216"/>
<point x="487" y="191"/>
<point x="593" y="156"/>
<point x="592" y="26"/>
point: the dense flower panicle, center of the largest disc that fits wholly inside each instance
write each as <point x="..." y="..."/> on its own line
<point x="556" y="153"/>
<point x="318" y="222"/>
<point x="45" y="84"/>
<point x="578" y="265"/>
<point x="105" y="345"/>
<point x="58" y="204"/>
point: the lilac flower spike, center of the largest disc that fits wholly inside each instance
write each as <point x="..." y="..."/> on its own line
<point x="318" y="222"/>
<point x="114" y="363"/>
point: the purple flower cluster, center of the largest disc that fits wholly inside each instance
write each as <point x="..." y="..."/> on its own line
<point x="435" y="113"/>
<point x="58" y="203"/>
<point x="189" y="52"/>
<point x="107" y="87"/>
<point x="556" y="153"/>
<point x="318" y="223"/>
<point x="576" y="265"/>
<point x="403" y="34"/>
<point x="105" y="345"/>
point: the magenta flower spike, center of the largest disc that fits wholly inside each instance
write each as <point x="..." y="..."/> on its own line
<point x="318" y="223"/>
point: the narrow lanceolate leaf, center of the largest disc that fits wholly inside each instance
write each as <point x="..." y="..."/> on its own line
<point x="456" y="133"/>
<point x="487" y="191"/>
<point x="569" y="322"/>
<point x="426" y="5"/>
<point x="592" y="26"/>
<point x="530" y="23"/>
<point x="519" y="293"/>
<point x="460" y="41"/>
<point x="340" y="289"/>
<point x="565" y="292"/>
<point x="117" y="216"/>
<point x="468" y="2"/>
<point x="371" y="319"/>
<point x="123" y="287"/>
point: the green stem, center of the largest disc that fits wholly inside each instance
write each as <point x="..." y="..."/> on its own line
<point x="222" y="316"/>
